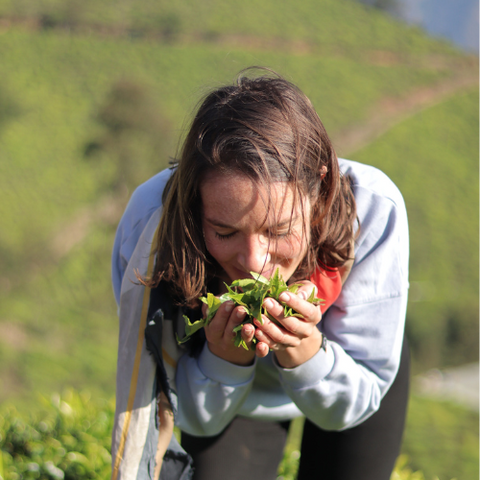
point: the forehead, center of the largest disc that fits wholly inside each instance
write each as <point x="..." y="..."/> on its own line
<point x="236" y="196"/>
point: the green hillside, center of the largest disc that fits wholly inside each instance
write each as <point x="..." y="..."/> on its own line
<point x="340" y="26"/>
<point x="59" y="83"/>
<point x="94" y="97"/>
<point x="433" y="158"/>
<point x="64" y="63"/>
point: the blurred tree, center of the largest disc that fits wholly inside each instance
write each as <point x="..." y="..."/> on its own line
<point x="69" y="14"/>
<point x="166" y="25"/>
<point x="9" y="107"/>
<point x="135" y="134"/>
<point x="171" y="26"/>
<point x="390" y="6"/>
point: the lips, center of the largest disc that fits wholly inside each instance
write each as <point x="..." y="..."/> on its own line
<point x="238" y="274"/>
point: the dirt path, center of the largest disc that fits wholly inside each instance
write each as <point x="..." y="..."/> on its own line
<point x="459" y="385"/>
<point x="75" y="25"/>
<point x="390" y="112"/>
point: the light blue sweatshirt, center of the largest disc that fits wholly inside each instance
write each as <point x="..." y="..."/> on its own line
<point x="339" y="387"/>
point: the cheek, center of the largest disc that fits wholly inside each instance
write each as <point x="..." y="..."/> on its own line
<point x="293" y="248"/>
<point x="218" y="249"/>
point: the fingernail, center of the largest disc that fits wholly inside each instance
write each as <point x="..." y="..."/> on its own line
<point x="267" y="303"/>
<point x="302" y="294"/>
<point x="228" y="307"/>
<point x="240" y="313"/>
<point x="248" y="330"/>
<point x="284" y="297"/>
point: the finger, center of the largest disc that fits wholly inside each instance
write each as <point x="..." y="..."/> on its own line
<point x="273" y="308"/>
<point x="309" y="311"/>
<point x="261" y="349"/>
<point x="236" y="318"/>
<point x="297" y="326"/>
<point x="273" y="345"/>
<point x="274" y="335"/>
<point x="305" y="289"/>
<point x="248" y="332"/>
<point x="216" y="327"/>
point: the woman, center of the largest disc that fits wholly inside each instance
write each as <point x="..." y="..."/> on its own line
<point x="258" y="187"/>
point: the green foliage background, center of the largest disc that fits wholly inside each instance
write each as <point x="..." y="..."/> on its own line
<point x="69" y="438"/>
<point x="64" y="150"/>
<point x="433" y="158"/>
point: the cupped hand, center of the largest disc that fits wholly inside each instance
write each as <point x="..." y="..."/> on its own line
<point x="221" y="337"/>
<point x="294" y="340"/>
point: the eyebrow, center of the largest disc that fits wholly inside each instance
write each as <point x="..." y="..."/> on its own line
<point x="281" y="224"/>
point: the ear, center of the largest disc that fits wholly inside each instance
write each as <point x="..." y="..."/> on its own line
<point x="323" y="172"/>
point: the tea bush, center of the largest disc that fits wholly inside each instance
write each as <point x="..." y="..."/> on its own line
<point x="69" y="437"/>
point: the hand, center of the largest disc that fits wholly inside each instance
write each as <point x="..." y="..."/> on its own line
<point x="294" y="340"/>
<point x="220" y="335"/>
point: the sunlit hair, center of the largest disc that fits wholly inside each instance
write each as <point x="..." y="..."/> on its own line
<point x="263" y="127"/>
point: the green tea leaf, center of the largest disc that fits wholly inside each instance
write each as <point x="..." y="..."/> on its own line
<point x="294" y="288"/>
<point x="250" y="294"/>
<point x="191" y="328"/>
<point x="244" y="283"/>
<point x="257" y="312"/>
<point x="239" y="341"/>
<point x="259" y="277"/>
<point x="313" y="299"/>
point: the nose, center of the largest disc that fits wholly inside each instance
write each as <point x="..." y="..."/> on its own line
<point x="254" y="255"/>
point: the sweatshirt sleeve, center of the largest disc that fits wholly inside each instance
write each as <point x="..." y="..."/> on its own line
<point x="342" y="386"/>
<point x="210" y="392"/>
<point x="145" y="200"/>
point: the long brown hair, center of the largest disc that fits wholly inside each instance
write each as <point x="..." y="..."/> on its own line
<point x="266" y="128"/>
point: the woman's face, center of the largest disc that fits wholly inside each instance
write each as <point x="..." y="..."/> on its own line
<point x="242" y="237"/>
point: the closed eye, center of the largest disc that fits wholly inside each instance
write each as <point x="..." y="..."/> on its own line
<point x="280" y="234"/>
<point x="224" y="237"/>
